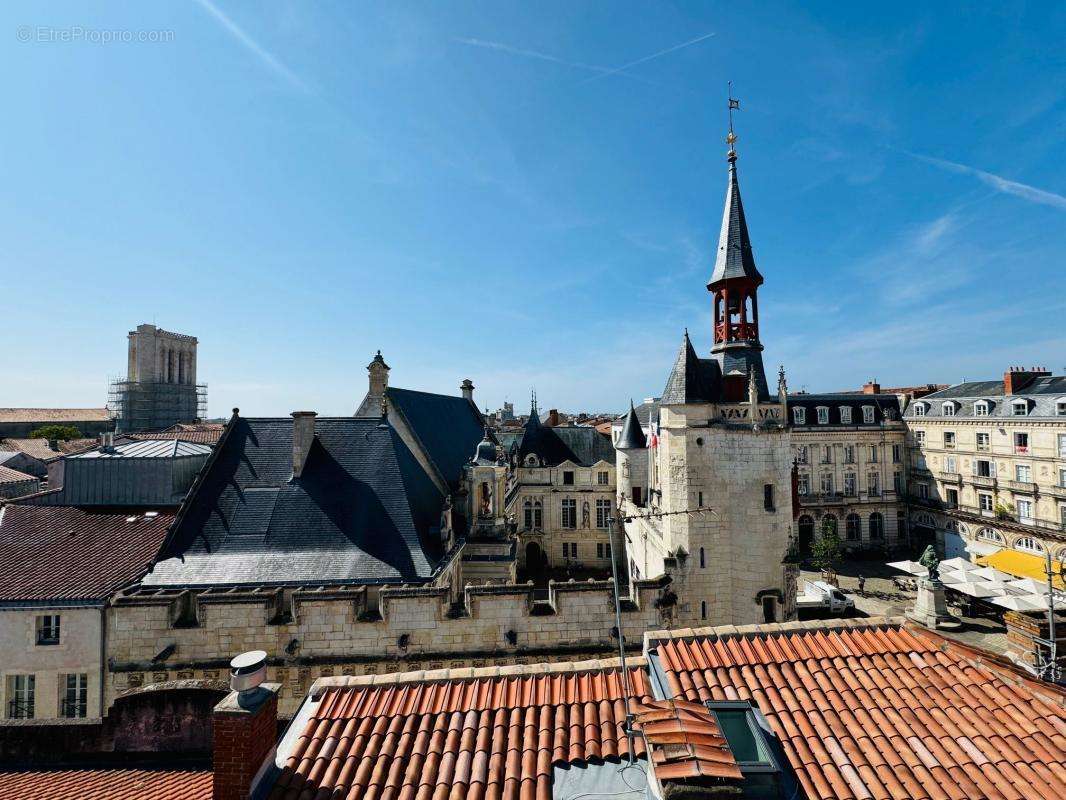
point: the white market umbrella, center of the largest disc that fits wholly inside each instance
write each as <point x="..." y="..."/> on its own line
<point x="1017" y="603"/>
<point x="957" y="564"/>
<point x="990" y="574"/>
<point x="980" y="589"/>
<point x="911" y="567"/>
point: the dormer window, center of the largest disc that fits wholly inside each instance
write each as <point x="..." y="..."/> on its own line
<point x="799" y="415"/>
<point x="948" y="409"/>
<point x="919" y="409"/>
<point x="1020" y="408"/>
<point x="845" y="415"/>
<point x="980" y="408"/>
<point x="868" y="415"/>
<point x="823" y="415"/>
<point x="1060" y="407"/>
<point x="531" y="460"/>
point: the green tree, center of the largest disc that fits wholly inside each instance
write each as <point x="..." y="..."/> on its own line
<point x="59" y="432"/>
<point x="827" y="551"/>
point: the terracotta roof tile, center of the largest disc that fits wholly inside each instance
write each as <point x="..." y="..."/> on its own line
<point x="107" y="784"/>
<point x="68" y="553"/>
<point x="472" y="737"/>
<point x="883" y="711"/>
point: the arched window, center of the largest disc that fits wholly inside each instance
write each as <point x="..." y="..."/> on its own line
<point x="829" y="525"/>
<point x="853" y="528"/>
<point x="990" y="535"/>
<point x="703" y="558"/>
<point x="877" y="526"/>
<point x="1029" y="545"/>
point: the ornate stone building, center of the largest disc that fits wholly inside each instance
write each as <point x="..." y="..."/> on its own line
<point x="988" y="469"/>
<point x="561" y="495"/>
<point x="850" y="455"/>
<point x="708" y="499"/>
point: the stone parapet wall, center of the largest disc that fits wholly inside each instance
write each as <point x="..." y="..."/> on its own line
<point x="310" y="633"/>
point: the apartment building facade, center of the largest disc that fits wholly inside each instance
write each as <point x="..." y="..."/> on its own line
<point x="988" y="465"/>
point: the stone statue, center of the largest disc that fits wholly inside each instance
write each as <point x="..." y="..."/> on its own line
<point x="931" y="562"/>
<point x="585" y="522"/>
<point x="625" y="468"/>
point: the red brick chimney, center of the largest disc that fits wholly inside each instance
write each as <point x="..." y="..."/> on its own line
<point x="871" y="387"/>
<point x="1017" y="378"/>
<point x="245" y="727"/>
<point x="553" y="418"/>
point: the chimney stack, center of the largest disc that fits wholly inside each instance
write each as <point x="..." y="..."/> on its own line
<point x="467" y="388"/>
<point x="245" y="726"/>
<point x="871" y="387"/>
<point x="1016" y="379"/>
<point x="303" y="435"/>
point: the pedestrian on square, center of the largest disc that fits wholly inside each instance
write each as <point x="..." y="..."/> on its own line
<point x="862" y="586"/>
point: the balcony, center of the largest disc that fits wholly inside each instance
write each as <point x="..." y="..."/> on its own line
<point x="1021" y="449"/>
<point x="986" y="481"/>
<point x="925" y="502"/>
<point x="1020" y="487"/>
<point x="17" y="709"/>
<point x="823" y="499"/>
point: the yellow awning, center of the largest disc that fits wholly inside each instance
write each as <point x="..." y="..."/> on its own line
<point x="1023" y="565"/>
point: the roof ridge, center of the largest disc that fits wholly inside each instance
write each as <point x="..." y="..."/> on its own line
<point x="769" y="628"/>
<point x="474" y="673"/>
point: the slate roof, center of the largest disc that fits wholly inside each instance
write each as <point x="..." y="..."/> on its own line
<point x="68" y="553"/>
<point x="881" y="709"/>
<point x="692" y="379"/>
<point x="448" y="427"/>
<point x="1042" y="394"/>
<point x="735" y="258"/>
<point x="581" y="444"/>
<point x="632" y="436"/>
<point x="107" y="784"/>
<point x="363" y="510"/>
<point x="884" y="406"/>
<point x="646" y="413"/>
<point x="54" y="415"/>
<point x="426" y="735"/>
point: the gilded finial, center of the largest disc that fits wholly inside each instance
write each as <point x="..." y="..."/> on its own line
<point x="731" y="139"/>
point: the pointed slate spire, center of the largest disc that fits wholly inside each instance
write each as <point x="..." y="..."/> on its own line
<point x="735" y="258"/>
<point x="632" y="437"/>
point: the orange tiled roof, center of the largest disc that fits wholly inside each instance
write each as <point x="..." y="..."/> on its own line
<point x="475" y="738"/>
<point x="107" y="784"/>
<point x="685" y="741"/>
<point x="37" y="448"/>
<point x="882" y="711"/>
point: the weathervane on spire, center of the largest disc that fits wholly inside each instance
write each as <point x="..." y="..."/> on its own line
<point x="732" y="137"/>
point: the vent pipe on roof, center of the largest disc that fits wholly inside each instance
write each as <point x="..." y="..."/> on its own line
<point x="303" y="435"/>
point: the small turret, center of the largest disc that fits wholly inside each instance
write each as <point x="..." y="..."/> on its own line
<point x="632" y="437"/>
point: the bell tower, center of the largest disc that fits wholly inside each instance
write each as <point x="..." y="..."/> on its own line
<point x="734" y="287"/>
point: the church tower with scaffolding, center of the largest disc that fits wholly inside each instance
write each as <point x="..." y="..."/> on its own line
<point x="717" y="511"/>
<point x="160" y="387"/>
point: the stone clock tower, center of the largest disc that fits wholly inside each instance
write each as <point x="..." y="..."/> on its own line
<point x="718" y="511"/>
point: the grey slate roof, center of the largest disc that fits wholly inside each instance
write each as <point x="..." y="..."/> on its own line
<point x="632" y="436"/>
<point x="583" y="445"/>
<point x="448" y="427"/>
<point x="735" y="258"/>
<point x="692" y="379"/>
<point x="363" y="510"/>
<point x="884" y="405"/>
<point x="1042" y="394"/>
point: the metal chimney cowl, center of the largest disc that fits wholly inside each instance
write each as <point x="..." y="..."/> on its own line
<point x="247" y="671"/>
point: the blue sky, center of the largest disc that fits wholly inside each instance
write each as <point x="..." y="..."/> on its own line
<point x="524" y="193"/>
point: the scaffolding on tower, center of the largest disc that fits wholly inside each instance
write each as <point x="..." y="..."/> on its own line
<point x="143" y="406"/>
